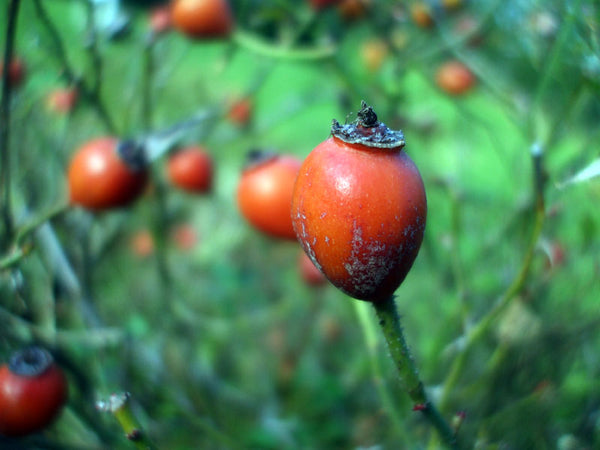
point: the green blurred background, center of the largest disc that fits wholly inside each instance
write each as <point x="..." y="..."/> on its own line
<point x="221" y="343"/>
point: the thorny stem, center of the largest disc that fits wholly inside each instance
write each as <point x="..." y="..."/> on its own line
<point x="11" y="30"/>
<point x="389" y="320"/>
<point x="482" y="327"/>
<point x="91" y="94"/>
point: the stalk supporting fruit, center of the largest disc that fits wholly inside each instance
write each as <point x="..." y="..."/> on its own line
<point x="389" y="320"/>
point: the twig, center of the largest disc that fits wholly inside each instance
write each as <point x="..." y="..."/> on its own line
<point x="91" y="94"/>
<point x="27" y="332"/>
<point x="389" y="320"/>
<point x="485" y="323"/>
<point x="282" y="52"/>
<point x="11" y="30"/>
<point x="119" y="405"/>
<point x="384" y="394"/>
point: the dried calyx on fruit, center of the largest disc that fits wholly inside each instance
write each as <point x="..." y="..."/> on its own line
<point x="33" y="390"/>
<point x="368" y="131"/>
<point x="30" y="362"/>
<point x="133" y="154"/>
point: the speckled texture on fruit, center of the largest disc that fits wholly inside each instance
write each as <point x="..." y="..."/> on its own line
<point x="360" y="214"/>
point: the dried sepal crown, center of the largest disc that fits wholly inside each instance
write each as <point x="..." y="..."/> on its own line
<point x="367" y="130"/>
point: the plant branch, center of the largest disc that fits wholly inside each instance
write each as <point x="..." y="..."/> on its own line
<point x="283" y="52"/>
<point x="11" y="30"/>
<point x="89" y="93"/>
<point x="481" y="328"/>
<point x="120" y="406"/>
<point x="389" y="320"/>
<point x="375" y="366"/>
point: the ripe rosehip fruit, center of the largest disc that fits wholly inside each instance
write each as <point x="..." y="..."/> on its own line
<point x="240" y="111"/>
<point x="191" y="169"/>
<point x="202" y="18"/>
<point x="33" y="390"/>
<point x="264" y="193"/>
<point x="454" y="77"/>
<point x="359" y="208"/>
<point x="159" y="19"/>
<point x="101" y="176"/>
<point x="16" y="72"/>
<point x="373" y="54"/>
<point x="421" y="14"/>
<point x="62" y="100"/>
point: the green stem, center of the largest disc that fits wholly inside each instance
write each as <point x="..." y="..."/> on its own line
<point x="147" y="72"/>
<point x="29" y="228"/>
<point x="368" y="329"/>
<point x="11" y="31"/>
<point x="554" y="62"/>
<point x="119" y="406"/>
<point x="91" y="94"/>
<point x="389" y="320"/>
<point x="284" y="52"/>
<point x="481" y="328"/>
<point x="20" y="249"/>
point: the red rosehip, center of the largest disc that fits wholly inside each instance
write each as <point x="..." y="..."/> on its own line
<point x="359" y="208"/>
<point x="33" y="390"/>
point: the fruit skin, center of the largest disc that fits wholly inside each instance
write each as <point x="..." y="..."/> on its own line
<point x="62" y="100"/>
<point x="99" y="179"/>
<point x="264" y="194"/>
<point x="28" y="403"/>
<point x="240" y="111"/>
<point x="191" y="169"/>
<point x="454" y="78"/>
<point x="421" y="14"/>
<point x="16" y="72"/>
<point x="159" y="19"/>
<point x="202" y="18"/>
<point x="359" y="213"/>
<point x="374" y="53"/>
<point x="142" y="243"/>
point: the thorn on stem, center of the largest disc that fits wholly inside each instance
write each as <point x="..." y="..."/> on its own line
<point x="458" y="420"/>
<point x="134" y="435"/>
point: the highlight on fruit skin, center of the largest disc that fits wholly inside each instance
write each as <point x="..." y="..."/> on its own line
<point x="359" y="208"/>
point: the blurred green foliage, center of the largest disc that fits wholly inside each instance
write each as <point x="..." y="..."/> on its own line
<point x="221" y="344"/>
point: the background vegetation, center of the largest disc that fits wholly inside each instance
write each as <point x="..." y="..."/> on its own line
<point x="219" y="341"/>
